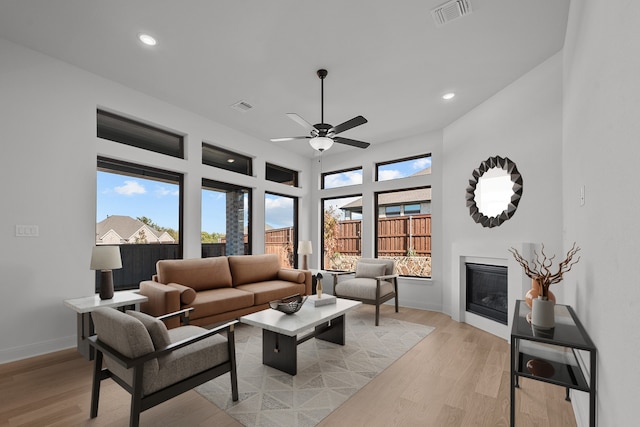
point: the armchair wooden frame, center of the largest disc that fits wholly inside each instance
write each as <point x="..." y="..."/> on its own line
<point x="140" y="402"/>
<point x="379" y="299"/>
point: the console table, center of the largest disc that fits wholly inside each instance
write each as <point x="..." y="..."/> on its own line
<point x="84" y="306"/>
<point x="551" y="355"/>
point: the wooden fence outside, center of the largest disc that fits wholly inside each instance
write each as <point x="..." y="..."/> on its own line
<point x="397" y="236"/>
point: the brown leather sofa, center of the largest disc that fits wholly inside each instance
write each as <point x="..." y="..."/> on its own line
<point x="220" y="288"/>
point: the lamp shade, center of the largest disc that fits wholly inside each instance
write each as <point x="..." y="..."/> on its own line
<point x="304" y="247"/>
<point x="321" y="143"/>
<point x="105" y="258"/>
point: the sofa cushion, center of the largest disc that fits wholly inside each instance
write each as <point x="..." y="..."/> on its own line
<point x="366" y="270"/>
<point x="187" y="294"/>
<point x="157" y="330"/>
<point x="198" y="273"/>
<point x="221" y="300"/>
<point x="253" y="268"/>
<point x="289" y="275"/>
<point x="272" y="289"/>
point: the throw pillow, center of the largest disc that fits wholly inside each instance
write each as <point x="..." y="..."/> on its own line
<point x="291" y="275"/>
<point x="364" y="269"/>
<point x="187" y="294"/>
<point x="156" y="328"/>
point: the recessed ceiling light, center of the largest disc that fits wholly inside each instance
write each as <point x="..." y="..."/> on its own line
<point x="231" y="160"/>
<point x="147" y="39"/>
<point x="448" y="96"/>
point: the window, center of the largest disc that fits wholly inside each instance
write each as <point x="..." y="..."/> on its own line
<point x="341" y="231"/>
<point x="392" y="210"/>
<point x="411" y="166"/>
<point x="405" y="235"/>
<point x="225" y="219"/>
<point x="413" y="209"/>
<point x="129" y="132"/>
<point x="342" y="178"/>
<point x="140" y="209"/>
<point x="282" y="175"/>
<point x="227" y="160"/>
<point x="280" y="228"/>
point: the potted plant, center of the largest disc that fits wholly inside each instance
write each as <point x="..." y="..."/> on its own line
<point x="542" y="277"/>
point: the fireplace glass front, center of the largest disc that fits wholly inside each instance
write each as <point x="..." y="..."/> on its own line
<point x="487" y="291"/>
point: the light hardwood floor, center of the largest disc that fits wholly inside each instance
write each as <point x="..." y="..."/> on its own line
<point x="457" y="376"/>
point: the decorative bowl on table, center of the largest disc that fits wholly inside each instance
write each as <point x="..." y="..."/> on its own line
<point x="288" y="305"/>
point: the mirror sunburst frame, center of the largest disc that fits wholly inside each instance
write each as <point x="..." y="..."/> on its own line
<point x="516" y="179"/>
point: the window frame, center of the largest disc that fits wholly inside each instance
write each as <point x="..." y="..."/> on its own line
<point x="295" y="226"/>
<point x="402" y="160"/>
<point x="376" y="218"/>
<point x="293" y="182"/>
<point x="213" y="185"/>
<point x="208" y="161"/>
<point x="137" y="134"/>
<point x="109" y="165"/>
<point x="323" y="176"/>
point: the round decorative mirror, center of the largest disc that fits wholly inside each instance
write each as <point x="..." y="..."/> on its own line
<point x="494" y="191"/>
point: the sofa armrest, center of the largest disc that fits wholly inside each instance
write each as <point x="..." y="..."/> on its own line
<point x="162" y="300"/>
<point x="307" y="282"/>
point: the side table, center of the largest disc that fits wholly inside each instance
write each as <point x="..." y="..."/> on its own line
<point x="552" y="355"/>
<point x="84" y="306"/>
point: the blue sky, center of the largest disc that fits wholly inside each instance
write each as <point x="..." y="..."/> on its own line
<point x="136" y="197"/>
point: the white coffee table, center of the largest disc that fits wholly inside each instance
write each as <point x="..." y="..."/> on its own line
<point x="280" y="331"/>
<point x="85" y="305"/>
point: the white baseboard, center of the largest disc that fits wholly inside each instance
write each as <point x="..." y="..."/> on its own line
<point x="37" y="349"/>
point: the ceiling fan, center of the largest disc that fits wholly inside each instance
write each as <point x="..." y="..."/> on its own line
<point x="323" y="135"/>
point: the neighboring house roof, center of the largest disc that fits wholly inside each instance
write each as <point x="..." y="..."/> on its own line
<point x="128" y="229"/>
<point x="397" y="197"/>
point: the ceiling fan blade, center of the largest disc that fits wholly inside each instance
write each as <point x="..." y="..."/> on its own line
<point x="356" y="121"/>
<point x="302" y="122"/>
<point x="351" y="142"/>
<point x="289" y="138"/>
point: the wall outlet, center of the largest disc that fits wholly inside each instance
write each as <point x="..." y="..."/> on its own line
<point x="27" y="231"/>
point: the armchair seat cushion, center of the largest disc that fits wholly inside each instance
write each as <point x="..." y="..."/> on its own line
<point x="190" y="360"/>
<point x="363" y="288"/>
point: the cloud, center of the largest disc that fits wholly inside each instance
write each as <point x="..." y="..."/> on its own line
<point x="343" y="179"/>
<point x="164" y="191"/>
<point x="386" y="175"/>
<point x="278" y="211"/>
<point x="421" y="163"/>
<point x="130" y="188"/>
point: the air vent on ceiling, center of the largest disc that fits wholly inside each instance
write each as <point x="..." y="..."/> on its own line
<point x="451" y="10"/>
<point x="242" y="106"/>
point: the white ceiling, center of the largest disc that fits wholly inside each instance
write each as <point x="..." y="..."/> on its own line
<point x="387" y="60"/>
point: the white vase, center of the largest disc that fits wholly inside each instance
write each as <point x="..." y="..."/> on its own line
<point x="542" y="313"/>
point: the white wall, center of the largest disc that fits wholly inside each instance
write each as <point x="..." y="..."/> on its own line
<point x="521" y="122"/>
<point x="48" y="176"/>
<point x="412" y="292"/>
<point x="601" y="128"/>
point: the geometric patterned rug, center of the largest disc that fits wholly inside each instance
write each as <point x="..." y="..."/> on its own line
<point x="328" y="374"/>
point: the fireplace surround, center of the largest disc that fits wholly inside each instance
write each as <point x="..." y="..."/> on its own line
<point x="489" y="253"/>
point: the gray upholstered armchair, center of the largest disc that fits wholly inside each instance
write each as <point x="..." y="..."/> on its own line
<point x="374" y="283"/>
<point x="155" y="364"/>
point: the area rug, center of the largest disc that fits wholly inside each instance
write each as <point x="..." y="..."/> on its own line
<point x="328" y="374"/>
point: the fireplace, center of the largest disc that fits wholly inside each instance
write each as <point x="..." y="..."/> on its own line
<point x="487" y="291"/>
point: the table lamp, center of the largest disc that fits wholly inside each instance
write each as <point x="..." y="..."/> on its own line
<point x="304" y="249"/>
<point x="105" y="259"/>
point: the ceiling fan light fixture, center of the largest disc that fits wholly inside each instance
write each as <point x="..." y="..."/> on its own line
<point x="321" y="143"/>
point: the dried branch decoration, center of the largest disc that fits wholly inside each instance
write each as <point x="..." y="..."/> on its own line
<point x="540" y="267"/>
